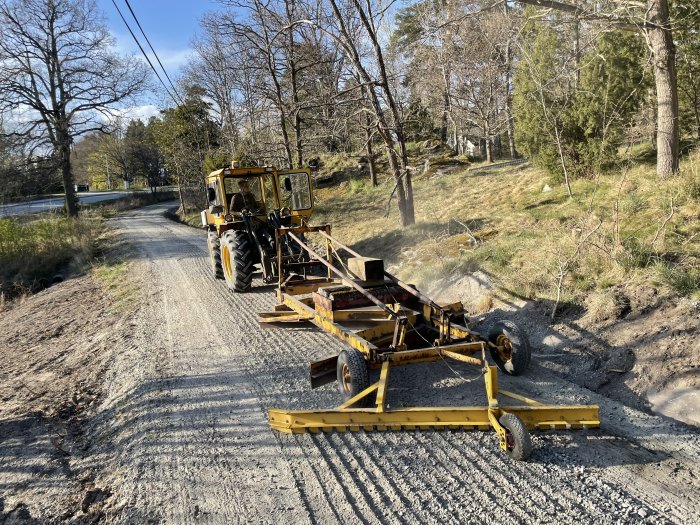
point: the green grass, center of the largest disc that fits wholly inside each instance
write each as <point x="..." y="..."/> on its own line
<point x="113" y="275"/>
<point x="35" y="249"/>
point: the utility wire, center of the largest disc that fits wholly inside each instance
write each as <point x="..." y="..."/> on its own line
<point x="144" y="53"/>
<point x="154" y="51"/>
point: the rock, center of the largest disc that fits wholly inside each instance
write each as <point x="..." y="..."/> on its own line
<point x="547" y="188"/>
<point x="642" y="513"/>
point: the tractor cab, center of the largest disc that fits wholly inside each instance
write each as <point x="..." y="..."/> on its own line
<point x="247" y="206"/>
<point x="257" y="191"/>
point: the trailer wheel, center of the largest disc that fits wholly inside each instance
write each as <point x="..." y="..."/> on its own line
<point x="215" y="254"/>
<point x="519" y="445"/>
<point x="353" y="376"/>
<point x="237" y="261"/>
<point x="513" y="352"/>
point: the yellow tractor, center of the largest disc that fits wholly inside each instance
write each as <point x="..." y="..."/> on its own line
<point x="247" y="206"/>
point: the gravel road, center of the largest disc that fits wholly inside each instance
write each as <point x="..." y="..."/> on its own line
<point x="185" y="431"/>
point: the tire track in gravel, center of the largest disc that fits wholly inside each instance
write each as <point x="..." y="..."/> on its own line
<point x="221" y="373"/>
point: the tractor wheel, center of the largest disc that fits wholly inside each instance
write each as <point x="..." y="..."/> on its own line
<point x="513" y="352"/>
<point x="237" y="261"/>
<point x="215" y="255"/>
<point x="517" y="437"/>
<point x="353" y="376"/>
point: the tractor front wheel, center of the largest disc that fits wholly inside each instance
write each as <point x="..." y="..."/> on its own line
<point x="215" y="254"/>
<point x="509" y="347"/>
<point x="237" y="261"/>
<point x="353" y="376"/>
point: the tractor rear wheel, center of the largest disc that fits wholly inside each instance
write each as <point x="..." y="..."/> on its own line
<point x="518" y="442"/>
<point x="215" y="254"/>
<point x="353" y="376"/>
<point x="237" y="261"/>
<point x="512" y="349"/>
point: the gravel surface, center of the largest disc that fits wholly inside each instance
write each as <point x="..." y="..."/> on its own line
<point x="183" y="433"/>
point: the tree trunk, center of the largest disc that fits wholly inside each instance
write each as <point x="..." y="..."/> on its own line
<point x="667" y="131"/>
<point x="370" y="155"/>
<point x="445" y="105"/>
<point x="487" y="144"/>
<point x="291" y="62"/>
<point x="67" y="176"/>
<point x="401" y="173"/>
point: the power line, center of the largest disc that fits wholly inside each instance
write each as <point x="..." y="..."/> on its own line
<point x="154" y="51"/>
<point x="144" y="52"/>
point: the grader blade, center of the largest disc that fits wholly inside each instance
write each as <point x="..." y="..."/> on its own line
<point x="542" y="417"/>
<point x="385" y="322"/>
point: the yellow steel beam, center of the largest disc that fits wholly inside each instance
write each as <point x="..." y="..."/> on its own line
<point x="491" y="379"/>
<point x="281" y="317"/>
<point x="461" y="357"/>
<point x="306" y="287"/>
<point x="328" y="325"/>
<point x="544" y="417"/>
<point x="524" y="399"/>
<point x="382" y="386"/>
<point x="422" y="355"/>
<point x="367" y="391"/>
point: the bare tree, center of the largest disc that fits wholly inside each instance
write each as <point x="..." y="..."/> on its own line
<point x="362" y="18"/>
<point x="59" y="76"/>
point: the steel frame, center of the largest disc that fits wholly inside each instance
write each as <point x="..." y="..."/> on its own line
<point x="389" y="323"/>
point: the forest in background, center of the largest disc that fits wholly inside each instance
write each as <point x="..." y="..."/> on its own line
<point x="570" y="86"/>
<point x="589" y="92"/>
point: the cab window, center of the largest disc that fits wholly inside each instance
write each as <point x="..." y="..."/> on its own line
<point x="295" y="191"/>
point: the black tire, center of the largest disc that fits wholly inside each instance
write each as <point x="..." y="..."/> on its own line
<point x="517" y="437"/>
<point x="237" y="261"/>
<point x="514" y="359"/>
<point x="352" y="374"/>
<point x="215" y="254"/>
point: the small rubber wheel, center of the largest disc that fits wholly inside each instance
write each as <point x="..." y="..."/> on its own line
<point x="215" y="254"/>
<point x="517" y="437"/>
<point x="513" y="352"/>
<point x="353" y="376"/>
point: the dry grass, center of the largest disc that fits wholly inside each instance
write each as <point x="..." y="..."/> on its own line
<point x="35" y="249"/>
<point x="33" y="253"/>
<point x="524" y="236"/>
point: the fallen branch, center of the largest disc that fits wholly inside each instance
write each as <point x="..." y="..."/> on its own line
<point x="663" y="224"/>
<point x="565" y="266"/>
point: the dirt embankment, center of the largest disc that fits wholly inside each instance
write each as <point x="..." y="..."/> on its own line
<point x="55" y="348"/>
<point x="634" y="344"/>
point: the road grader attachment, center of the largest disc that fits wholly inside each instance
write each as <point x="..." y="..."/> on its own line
<point x="386" y="322"/>
<point x="257" y="220"/>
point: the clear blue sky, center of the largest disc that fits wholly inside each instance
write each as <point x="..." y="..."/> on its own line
<point x="169" y="24"/>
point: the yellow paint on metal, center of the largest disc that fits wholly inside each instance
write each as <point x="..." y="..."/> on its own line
<point x="460" y="357"/>
<point x="543" y="417"/>
<point x="328" y="325"/>
<point x="382" y="386"/>
<point x="367" y="391"/>
<point x="491" y="380"/>
<point x="524" y="399"/>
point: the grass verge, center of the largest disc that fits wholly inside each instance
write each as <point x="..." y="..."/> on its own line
<point x="625" y="227"/>
<point x="37" y="250"/>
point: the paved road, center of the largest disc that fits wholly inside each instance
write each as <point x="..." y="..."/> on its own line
<point x="56" y="203"/>
<point x="188" y="432"/>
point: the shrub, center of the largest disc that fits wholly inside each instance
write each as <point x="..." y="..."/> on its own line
<point x="32" y="253"/>
<point x="685" y="281"/>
